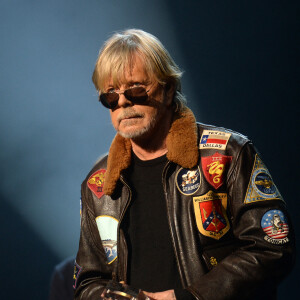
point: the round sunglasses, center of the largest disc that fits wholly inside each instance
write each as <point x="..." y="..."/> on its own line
<point x="136" y="95"/>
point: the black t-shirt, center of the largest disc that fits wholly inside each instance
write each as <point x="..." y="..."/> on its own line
<point x="152" y="265"/>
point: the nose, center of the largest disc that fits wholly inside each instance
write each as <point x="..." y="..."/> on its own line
<point x="123" y="101"/>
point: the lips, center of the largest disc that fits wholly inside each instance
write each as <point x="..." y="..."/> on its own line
<point x="129" y="120"/>
<point x="129" y="116"/>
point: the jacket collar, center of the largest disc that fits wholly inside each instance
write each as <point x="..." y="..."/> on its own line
<point x="181" y="144"/>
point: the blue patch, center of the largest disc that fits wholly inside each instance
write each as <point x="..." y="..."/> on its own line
<point x="77" y="270"/>
<point x="188" y="181"/>
<point x="275" y="225"/>
<point x="204" y="139"/>
<point x="108" y="230"/>
<point x="261" y="186"/>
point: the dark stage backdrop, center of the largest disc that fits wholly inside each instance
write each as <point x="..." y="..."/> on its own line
<point x="241" y="64"/>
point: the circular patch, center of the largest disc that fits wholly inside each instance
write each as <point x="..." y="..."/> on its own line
<point x="188" y="181"/>
<point x="108" y="230"/>
<point x="263" y="184"/>
<point x="274" y="224"/>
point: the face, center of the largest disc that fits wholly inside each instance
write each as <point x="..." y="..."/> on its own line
<point x="138" y="121"/>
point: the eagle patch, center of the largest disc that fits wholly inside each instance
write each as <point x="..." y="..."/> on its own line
<point x="188" y="181"/>
<point x="261" y="186"/>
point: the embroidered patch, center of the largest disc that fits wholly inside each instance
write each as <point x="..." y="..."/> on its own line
<point x="214" y="168"/>
<point x="212" y="139"/>
<point x="108" y="230"/>
<point x="96" y="182"/>
<point x="213" y="261"/>
<point x="188" y="181"/>
<point x="275" y="225"/>
<point x="80" y="211"/>
<point x="261" y="186"/>
<point x="210" y="213"/>
<point x="77" y="270"/>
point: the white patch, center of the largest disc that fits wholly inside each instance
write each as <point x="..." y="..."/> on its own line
<point x="213" y="139"/>
<point x="108" y="230"/>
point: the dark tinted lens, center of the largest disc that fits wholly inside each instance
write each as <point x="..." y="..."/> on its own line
<point x="109" y="100"/>
<point x="137" y="94"/>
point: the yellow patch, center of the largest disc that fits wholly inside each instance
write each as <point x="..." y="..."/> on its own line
<point x="210" y="213"/>
<point x="261" y="186"/>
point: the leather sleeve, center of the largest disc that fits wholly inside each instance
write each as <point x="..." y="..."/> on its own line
<point x="256" y="265"/>
<point x="61" y="280"/>
<point x="91" y="272"/>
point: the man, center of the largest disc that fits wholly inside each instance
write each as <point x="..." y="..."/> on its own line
<point x="177" y="209"/>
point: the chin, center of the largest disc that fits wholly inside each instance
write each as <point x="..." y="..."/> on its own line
<point x="137" y="133"/>
<point x="139" y="130"/>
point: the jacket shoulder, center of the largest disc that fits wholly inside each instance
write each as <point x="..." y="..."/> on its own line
<point x="100" y="164"/>
<point x="235" y="139"/>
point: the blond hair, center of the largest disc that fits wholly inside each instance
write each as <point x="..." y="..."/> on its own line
<point x="118" y="53"/>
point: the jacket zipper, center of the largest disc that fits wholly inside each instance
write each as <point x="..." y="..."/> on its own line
<point x="164" y="179"/>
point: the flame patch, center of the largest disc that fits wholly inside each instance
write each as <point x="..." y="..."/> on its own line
<point x="214" y="167"/>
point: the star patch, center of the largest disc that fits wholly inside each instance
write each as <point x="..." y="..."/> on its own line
<point x="108" y="230"/>
<point x="261" y="186"/>
<point x="210" y="213"/>
<point x="212" y="139"/>
<point x="214" y="168"/>
<point x="188" y="181"/>
<point x="77" y="270"/>
<point x="275" y="225"/>
<point x="96" y="182"/>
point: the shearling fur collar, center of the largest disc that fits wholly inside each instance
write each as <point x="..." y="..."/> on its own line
<point x="181" y="143"/>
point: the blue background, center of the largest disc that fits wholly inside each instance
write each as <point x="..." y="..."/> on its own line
<point x="241" y="63"/>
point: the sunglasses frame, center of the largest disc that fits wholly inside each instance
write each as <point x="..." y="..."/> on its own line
<point x="134" y="99"/>
<point x="103" y="98"/>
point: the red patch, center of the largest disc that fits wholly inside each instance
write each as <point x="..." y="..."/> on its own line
<point x="212" y="216"/>
<point x="214" y="167"/>
<point x="96" y="182"/>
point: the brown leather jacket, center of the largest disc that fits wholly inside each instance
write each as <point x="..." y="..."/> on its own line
<point x="231" y="234"/>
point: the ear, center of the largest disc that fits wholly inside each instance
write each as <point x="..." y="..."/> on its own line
<point x="169" y="93"/>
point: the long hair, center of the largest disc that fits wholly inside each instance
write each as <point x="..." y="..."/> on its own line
<point x="118" y="53"/>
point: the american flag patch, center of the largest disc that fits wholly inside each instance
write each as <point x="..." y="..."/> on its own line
<point x="212" y="139"/>
<point x="275" y="225"/>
